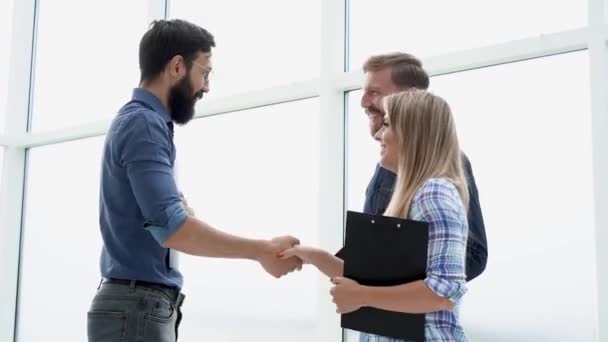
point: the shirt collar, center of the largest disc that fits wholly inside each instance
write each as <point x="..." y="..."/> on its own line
<point x="141" y="94"/>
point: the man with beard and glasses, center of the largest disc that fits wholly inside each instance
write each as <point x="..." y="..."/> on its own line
<point x="142" y="215"/>
<point x="387" y="74"/>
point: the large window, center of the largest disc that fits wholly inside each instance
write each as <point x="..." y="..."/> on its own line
<point x="260" y="43"/>
<point x="86" y="60"/>
<point x="61" y="241"/>
<point x="260" y="172"/>
<point x="253" y="173"/>
<point x="433" y="27"/>
<point x="530" y="146"/>
<point x="6" y="26"/>
<point x="529" y="140"/>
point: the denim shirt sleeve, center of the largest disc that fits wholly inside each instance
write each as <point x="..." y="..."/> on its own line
<point x="146" y="157"/>
<point x="379" y="191"/>
<point x="438" y="203"/>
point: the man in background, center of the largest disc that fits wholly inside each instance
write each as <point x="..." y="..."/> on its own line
<point x="387" y="74"/>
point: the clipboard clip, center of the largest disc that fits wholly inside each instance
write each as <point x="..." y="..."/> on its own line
<point x="398" y="224"/>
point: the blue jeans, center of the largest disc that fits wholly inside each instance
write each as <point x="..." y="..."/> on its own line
<point x="134" y="312"/>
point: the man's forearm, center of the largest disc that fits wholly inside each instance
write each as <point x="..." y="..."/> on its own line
<point x="196" y="237"/>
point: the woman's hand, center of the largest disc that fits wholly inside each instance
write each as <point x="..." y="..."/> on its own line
<point x="326" y="262"/>
<point x="308" y="255"/>
<point x="347" y="294"/>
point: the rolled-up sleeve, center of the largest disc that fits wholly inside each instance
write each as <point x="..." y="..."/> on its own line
<point x="146" y="156"/>
<point x="438" y="203"/>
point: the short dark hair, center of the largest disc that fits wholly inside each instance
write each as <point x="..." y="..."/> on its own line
<point x="168" y="38"/>
<point x="406" y="69"/>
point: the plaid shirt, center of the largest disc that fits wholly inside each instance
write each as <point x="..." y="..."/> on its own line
<point x="438" y="203"/>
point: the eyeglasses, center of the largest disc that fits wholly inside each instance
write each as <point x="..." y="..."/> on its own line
<point x="207" y="72"/>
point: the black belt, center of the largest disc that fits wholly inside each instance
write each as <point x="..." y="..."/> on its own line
<point x="172" y="292"/>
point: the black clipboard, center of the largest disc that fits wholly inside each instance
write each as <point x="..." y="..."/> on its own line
<point x="384" y="251"/>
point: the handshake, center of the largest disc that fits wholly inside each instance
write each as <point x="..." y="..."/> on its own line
<point x="271" y="256"/>
<point x="278" y="256"/>
<point x="285" y="254"/>
<point x="269" y="253"/>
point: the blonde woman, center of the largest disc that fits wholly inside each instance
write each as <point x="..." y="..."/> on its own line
<point x="419" y="144"/>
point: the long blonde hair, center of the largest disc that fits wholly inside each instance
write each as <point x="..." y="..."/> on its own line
<point x="428" y="146"/>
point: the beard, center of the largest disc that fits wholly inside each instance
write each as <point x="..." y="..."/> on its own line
<point x="376" y="118"/>
<point x="372" y="109"/>
<point x="181" y="101"/>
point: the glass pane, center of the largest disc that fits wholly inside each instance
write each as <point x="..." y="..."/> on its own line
<point x="6" y="29"/>
<point x="530" y="147"/>
<point x="61" y="241"/>
<point x="433" y="27"/>
<point x="254" y="173"/>
<point x="279" y="44"/>
<point x="86" y="62"/>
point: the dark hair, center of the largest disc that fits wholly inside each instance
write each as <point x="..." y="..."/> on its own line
<point x="406" y="69"/>
<point x="168" y="38"/>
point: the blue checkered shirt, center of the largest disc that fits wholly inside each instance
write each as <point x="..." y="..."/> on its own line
<point x="438" y="203"/>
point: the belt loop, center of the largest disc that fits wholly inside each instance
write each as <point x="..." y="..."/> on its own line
<point x="132" y="285"/>
<point x="100" y="281"/>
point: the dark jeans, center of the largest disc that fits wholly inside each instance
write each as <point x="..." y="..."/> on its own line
<point x="131" y="311"/>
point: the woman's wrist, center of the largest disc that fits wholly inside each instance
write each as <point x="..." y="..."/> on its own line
<point x="365" y="293"/>
<point x="318" y="257"/>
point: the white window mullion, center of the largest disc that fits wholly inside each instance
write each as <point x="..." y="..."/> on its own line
<point x="598" y="55"/>
<point x="12" y="178"/>
<point x="331" y="154"/>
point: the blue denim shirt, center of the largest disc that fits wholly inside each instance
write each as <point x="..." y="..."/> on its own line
<point x="378" y="195"/>
<point x="139" y="205"/>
